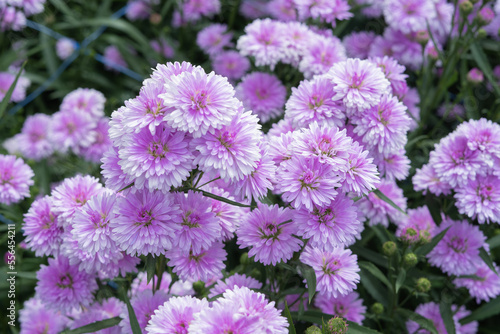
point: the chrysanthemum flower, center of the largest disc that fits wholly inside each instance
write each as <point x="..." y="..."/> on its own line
<point x="16" y="177"/>
<point x="331" y="226"/>
<point x="156" y="161"/>
<point x="349" y="306"/>
<point x="420" y="220"/>
<point x="62" y="286"/>
<point x="283" y="10"/>
<point x="283" y="126"/>
<point x="175" y="315"/>
<point x="200" y="102"/>
<point x="198" y="225"/>
<point x="280" y="146"/>
<point x="358" y="44"/>
<point x="101" y="143"/>
<point x="322" y="52"/>
<point x="35" y="318"/>
<point x="214" y="38"/>
<point x="393" y="166"/>
<point x="65" y="47"/>
<point x="336" y="271"/>
<point x="297" y="36"/>
<point x="480" y="198"/>
<point x="144" y="306"/>
<point x="7" y="79"/>
<point x="194" y="9"/>
<point x="43" y="233"/>
<point x="34" y="142"/>
<point x="91" y="315"/>
<point x="485" y="287"/>
<point x="358" y="83"/>
<point x="307" y="182"/>
<point x="84" y="100"/>
<point x="263" y="93"/>
<point x="162" y="47"/>
<point x="409" y="15"/>
<point x="361" y="174"/>
<point x="113" y="57"/>
<point x="482" y="135"/>
<point x="233" y="281"/>
<point x="328" y="11"/>
<point x="72" y="194"/>
<point x="138" y="10"/>
<point x="268" y="232"/>
<point x="264" y="40"/>
<point x="230" y="64"/>
<point x="312" y="101"/>
<point x="114" y="177"/>
<point x="378" y="211"/>
<point x="72" y="129"/>
<point x="458" y="252"/>
<point x="146" y="223"/>
<point x="394" y="72"/>
<point x="227" y="214"/>
<point x="426" y="178"/>
<point x="163" y="72"/>
<point x="232" y="151"/>
<point x="198" y="266"/>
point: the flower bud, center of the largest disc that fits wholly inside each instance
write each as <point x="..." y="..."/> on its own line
<point x="422" y="37"/>
<point x="377" y="308"/>
<point x="410" y="235"/>
<point x="199" y="287"/>
<point x="155" y="18"/>
<point x="481" y="34"/>
<point x="313" y="330"/>
<point x="466" y="7"/>
<point x="244" y="259"/>
<point x="389" y="248"/>
<point x="425" y="237"/>
<point x="475" y="76"/>
<point x="423" y="284"/>
<point x="336" y="325"/>
<point x="485" y="16"/>
<point x="410" y="260"/>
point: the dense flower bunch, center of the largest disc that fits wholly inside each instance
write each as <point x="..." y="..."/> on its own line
<point x="16" y="177"/>
<point x="19" y="92"/>
<point x="13" y="13"/>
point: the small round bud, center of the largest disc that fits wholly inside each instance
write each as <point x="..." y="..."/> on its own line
<point x="410" y="260"/>
<point x="199" y="287"/>
<point x="377" y="308"/>
<point x="481" y="34"/>
<point x="155" y="18"/>
<point x="475" y="76"/>
<point x="313" y="330"/>
<point x="431" y="51"/>
<point x="389" y="248"/>
<point x="466" y="7"/>
<point x="422" y="37"/>
<point x="423" y="284"/>
<point x="336" y="325"/>
<point x="410" y="235"/>
<point x="244" y="258"/>
<point x="485" y="16"/>
<point x="496" y="231"/>
<point x="425" y="237"/>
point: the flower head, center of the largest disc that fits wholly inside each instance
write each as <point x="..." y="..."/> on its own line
<point x="34" y="141"/>
<point x="144" y="306"/>
<point x="16" y="177"/>
<point x="233" y="281"/>
<point x="214" y="38"/>
<point x="322" y="52"/>
<point x="485" y="287"/>
<point x="84" y="100"/>
<point x="480" y="198"/>
<point x="349" y="306"/>
<point x="230" y="64"/>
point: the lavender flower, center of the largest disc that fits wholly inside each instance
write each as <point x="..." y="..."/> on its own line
<point x="230" y="64"/>
<point x="233" y="281"/>
<point x="214" y="38"/>
<point x="485" y="287"/>
<point x="16" y="177"/>
<point x="349" y="306"/>
<point x="144" y="306"/>
<point x="7" y="79"/>
<point x="84" y="100"/>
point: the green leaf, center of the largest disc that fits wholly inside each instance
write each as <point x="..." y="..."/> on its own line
<point x="447" y="315"/>
<point x="494" y="242"/>
<point x="317" y="317"/>
<point x="484" y="65"/>
<point x="423" y="322"/>
<point x="222" y="199"/>
<point x="375" y="272"/>
<point x="485" y="311"/>
<point x="388" y="200"/>
<point x="374" y="288"/>
<point x="487" y="259"/>
<point x="150" y="267"/>
<point x="134" y="324"/>
<point x="291" y="329"/>
<point x="427" y="248"/>
<point x="368" y="254"/>
<point x="95" y="326"/>
<point x="6" y="98"/>
<point x="401" y="279"/>
<point x="354" y="328"/>
<point x="310" y="277"/>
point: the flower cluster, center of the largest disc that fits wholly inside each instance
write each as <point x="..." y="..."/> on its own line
<point x="13" y="13"/>
<point x="16" y="177"/>
<point x="19" y="92"/>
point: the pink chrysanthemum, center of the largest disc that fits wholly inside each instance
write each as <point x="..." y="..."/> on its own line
<point x="307" y="182"/>
<point x="233" y="281"/>
<point x="7" y="79"/>
<point x="361" y="174"/>
<point x="358" y="83"/>
<point x="34" y="141"/>
<point x="227" y="214"/>
<point x="283" y="10"/>
<point x="336" y="271"/>
<point x="156" y="161"/>
<point x="280" y="146"/>
<point x="72" y="194"/>
<point x="378" y="211"/>
<point x="113" y="57"/>
<point x="482" y="135"/>
<point x="35" y="318"/>
<point x="263" y="93"/>
<point x="101" y="143"/>
<point x="140" y="283"/>
<point x="420" y="220"/>
<point x="322" y="52"/>
<point x="283" y="126"/>
<point x="409" y="15"/>
<point x="163" y="72"/>
<point x="480" y="198"/>
<point x="194" y="9"/>
<point x="144" y="306"/>
<point x="268" y="232"/>
<point x="198" y="266"/>
<point x="312" y="101"/>
<point x="65" y="47"/>
<point x="394" y="72"/>
<point x="458" y="252"/>
<point x="162" y="47"/>
<point x="393" y="166"/>
<point x="63" y="287"/>
<point x="297" y="36"/>
<point x="327" y="227"/>
<point x="114" y="177"/>
<point x="200" y="102"/>
<point x="146" y="223"/>
<point x="349" y="306"/>
<point x="72" y="129"/>
<point x="427" y="179"/>
<point x="263" y="40"/>
<point x="232" y="151"/>
<point x="84" y="100"/>
<point x="220" y="318"/>
<point x="16" y="177"/>
<point x="199" y="226"/>
<point x="214" y="38"/>
<point x="485" y="287"/>
<point x="230" y="64"/>
<point x="358" y="44"/>
<point x="327" y="10"/>
<point x="138" y="10"/>
<point x="175" y="315"/>
<point x="43" y="233"/>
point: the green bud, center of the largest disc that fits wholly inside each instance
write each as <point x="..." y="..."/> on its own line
<point x="466" y="8"/>
<point x="410" y="235"/>
<point x="410" y="260"/>
<point x="199" y="287"/>
<point x="425" y="237"/>
<point x="422" y="37"/>
<point x="377" y="308"/>
<point x="497" y="230"/>
<point x="336" y="325"/>
<point x="256" y="274"/>
<point x="313" y="330"/>
<point x="244" y="258"/>
<point x="389" y="248"/>
<point x="423" y="284"/>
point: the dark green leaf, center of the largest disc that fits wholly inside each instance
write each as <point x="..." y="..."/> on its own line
<point x="487" y="259"/>
<point x="374" y="288"/>
<point x="427" y="248"/>
<point x="447" y="315"/>
<point x="6" y="98"/>
<point x="310" y="277"/>
<point x="222" y="199"/>
<point x="95" y="326"/>
<point x="354" y="328"/>
<point x="485" y="311"/>
<point x="368" y="254"/>
<point x="134" y="324"/>
<point x="287" y="267"/>
<point x="401" y="279"/>
<point x="423" y="322"/>
<point x="150" y="267"/>
<point x="494" y="242"/>
<point x="375" y="272"/>
<point x="387" y="200"/>
<point x="291" y="329"/>
<point x="484" y="65"/>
